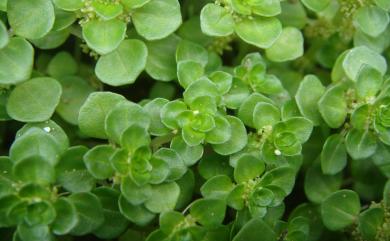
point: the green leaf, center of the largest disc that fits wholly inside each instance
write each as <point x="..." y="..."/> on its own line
<point x="134" y="194"/>
<point x="333" y="106"/>
<point x="187" y="187"/>
<point x="333" y="155"/>
<point x="299" y="126"/>
<point x="237" y="94"/>
<point x="161" y="62"/>
<point x="89" y="211"/>
<point x="104" y="36"/>
<point x="385" y="4"/>
<point x="157" y="19"/>
<point x="189" y="154"/>
<point x="216" y="20"/>
<point x="264" y="115"/>
<point x="254" y="229"/>
<point x="308" y="94"/>
<point x="71" y="172"/>
<point x="281" y="177"/>
<point x="41" y="102"/>
<point x="137" y="214"/>
<point x="222" y="131"/>
<point x="208" y="212"/>
<point x="217" y="187"/>
<point x="34" y="169"/>
<point x="32" y="233"/>
<point x="69" y="5"/>
<point x="107" y="11"/>
<point x="130" y="56"/>
<point x="163" y="197"/>
<point x="188" y="72"/>
<point x="31" y="19"/>
<point x="340" y="209"/>
<point x="16" y="61"/>
<point x="368" y="82"/>
<point x="66" y="218"/>
<point x="52" y="40"/>
<point x="176" y="165"/>
<point x="75" y="91"/>
<point x="97" y="161"/>
<point x="248" y="168"/>
<point x="40" y="213"/>
<point x="122" y="116"/>
<point x="235" y="198"/>
<point x="360" y="143"/>
<point x="370" y="221"/>
<point x="50" y="128"/>
<point x="62" y="64"/>
<point x="259" y="31"/>
<point x="94" y="110"/>
<point x="35" y="142"/>
<point x="381" y="159"/>
<point x="319" y="186"/>
<point x="316" y="5"/>
<point x="223" y="81"/>
<point x="201" y="87"/>
<point x="288" y="46"/>
<point x="359" y="56"/>
<point x="4" y="36"/>
<point x="169" y="221"/>
<point x="237" y="141"/>
<point x="187" y="50"/>
<point x="114" y="222"/>
<point x="247" y="108"/>
<point x="372" y="20"/>
<point x="134" y="137"/>
<point x="266" y="8"/>
<point x="170" y="113"/>
<point x="63" y="20"/>
<point x="153" y="109"/>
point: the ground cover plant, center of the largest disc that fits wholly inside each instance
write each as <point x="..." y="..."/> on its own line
<point x="194" y="120"/>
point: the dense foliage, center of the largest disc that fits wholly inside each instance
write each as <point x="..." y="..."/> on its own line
<point x="194" y="120"/>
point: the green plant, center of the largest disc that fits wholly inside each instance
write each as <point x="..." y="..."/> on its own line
<point x="194" y="120"/>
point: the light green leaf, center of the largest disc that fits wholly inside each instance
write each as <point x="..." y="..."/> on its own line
<point x="188" y="72"/>
<point x="221" y="133"/>
<point x="34" y="169"/>
<point x="163" y="197"/>
<point x="161" y="62"/>
<point x="316" y="5"/>
<point x="104" y="36"/>
<point x="16" y="61"/>
<point x="69" y="5"/>
<point x="94" y="111"/>
<point x="216" y="20"/>
<point x="265" y="114"/>
<point x="31" y="19"/>
<point x="157" y="19"/>
<point x="358" y="56"/>
<point x="134" y="194"/>
<point x="333" y="106"/>
<point x="360" y="143"/>
<point x="308" y="94"/>
<point x="187" y="50"/>
<point x="4" y="37"/>
<point x="97" y="161"/>
<point x="385" y="4"/>
<point x="247" y="107"/>
<point x="237" y="141"/>
<point x="122" y="116"/>
<point x="248" y="168"/>
<point x="288" y="46"/>
<point x="372" y="20"/>
<point x="370" y="221"/>
<point x="62" y="64"/>
<point x="123" y="65"/>
<point x="189" y="154"/>
<point x="368" y="82"/>
<point x="259" y="31"/>
<point x="107" y="10"/>
<point x="153" y="109"/>
<point x="333" y="155"/>
<point x="39" y="105"/>
<point x="217" y="187"/>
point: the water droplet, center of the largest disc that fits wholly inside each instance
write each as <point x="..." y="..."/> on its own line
<point x="47" y="129"/>
<point x="278" y="152"/>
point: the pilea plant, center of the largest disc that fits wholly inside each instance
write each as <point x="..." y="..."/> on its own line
<point x="194" y="120"/>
